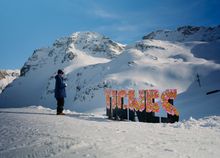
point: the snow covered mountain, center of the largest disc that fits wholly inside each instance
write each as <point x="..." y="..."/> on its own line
<point x="187" y="33"/>
<point x="6" y="77"/>
<point x="36" y="83"/>
<point x="202" y="43"/>
<point x="150" y="64"/>
<point x="93" y="62"/>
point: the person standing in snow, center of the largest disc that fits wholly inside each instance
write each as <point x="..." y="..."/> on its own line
<point x="60" y="92"/>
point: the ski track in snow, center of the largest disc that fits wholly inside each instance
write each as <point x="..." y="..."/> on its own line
<point x="37" y="132"/>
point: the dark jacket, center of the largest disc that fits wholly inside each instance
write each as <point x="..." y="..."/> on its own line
<point x="60" y="91"/>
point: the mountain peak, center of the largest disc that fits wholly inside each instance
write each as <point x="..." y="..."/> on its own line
<point x="187" y="33"/>
<point x="87" y="35"/>
<point x="92" y="43"/>
<point x="79" y="45"/>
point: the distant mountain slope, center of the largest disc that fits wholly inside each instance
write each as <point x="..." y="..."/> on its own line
<point x="6" y="77"/>
<point x="187" y="33"/>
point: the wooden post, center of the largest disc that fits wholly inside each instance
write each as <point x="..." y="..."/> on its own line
<point x="128" y="112"/>
<point x="111" y="111"/>
<point x="116" y="108"/>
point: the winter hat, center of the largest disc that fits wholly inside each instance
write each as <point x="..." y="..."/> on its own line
<point x="60" y="72"/>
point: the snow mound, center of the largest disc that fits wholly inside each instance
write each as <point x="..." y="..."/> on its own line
<point x="211" y="122"/>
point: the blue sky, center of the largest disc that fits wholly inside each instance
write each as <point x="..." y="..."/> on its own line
<point x="26" y="25"/>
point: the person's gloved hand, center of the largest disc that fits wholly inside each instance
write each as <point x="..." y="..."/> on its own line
<point x="65" y="84"/>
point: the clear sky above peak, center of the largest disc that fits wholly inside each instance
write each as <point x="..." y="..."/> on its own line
<point x="29" y="24"/>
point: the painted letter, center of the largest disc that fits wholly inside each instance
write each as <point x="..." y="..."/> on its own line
<point x="134" y="103"/>
<point x="169" y="94"/>
<point x="151" y="105"/>
<point x="121" y="94"/>
<point x="114" y="99"/>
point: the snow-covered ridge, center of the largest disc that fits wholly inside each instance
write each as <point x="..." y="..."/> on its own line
<point x="66" y="49"/>
<point x="92" y="43"/>
<point x="7" y="76"/>
<point x="187" y="33"/>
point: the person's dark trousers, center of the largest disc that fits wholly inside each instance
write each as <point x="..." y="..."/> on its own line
<point x="60" y="104"/>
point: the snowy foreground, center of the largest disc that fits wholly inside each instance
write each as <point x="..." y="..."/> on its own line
<point x="37" y="132"/>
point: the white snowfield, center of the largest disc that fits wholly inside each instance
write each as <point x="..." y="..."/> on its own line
<point x="36" y="132"/>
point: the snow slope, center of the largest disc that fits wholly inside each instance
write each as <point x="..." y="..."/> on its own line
<point x="36" y="132"/>
<point x="6" y="77"/>
<point x="149" y="64"/>
<point x="93" y="62"/>
<point x="195" y="102"/>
